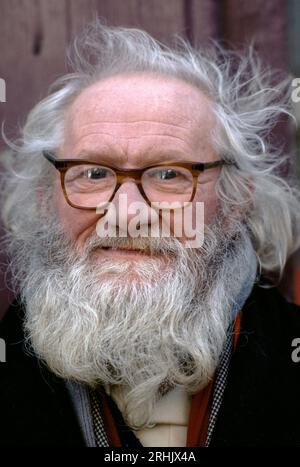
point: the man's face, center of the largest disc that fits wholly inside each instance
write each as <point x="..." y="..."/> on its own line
<point x="101" y="315"/>
<point x="134" y="121"/>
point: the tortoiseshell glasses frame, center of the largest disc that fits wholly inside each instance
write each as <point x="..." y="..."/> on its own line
<point x="195" y="168"/>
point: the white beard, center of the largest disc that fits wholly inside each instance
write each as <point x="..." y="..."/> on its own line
<point x="128" y="323"/>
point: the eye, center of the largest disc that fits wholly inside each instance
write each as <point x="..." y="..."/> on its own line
<point x="166" y="174"/>
<point x="96" y="173"/>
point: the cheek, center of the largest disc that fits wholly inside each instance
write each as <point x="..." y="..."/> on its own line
<point x="210" y="208"/>
<point x="77" y="224"/>
<point x="209" y="198"/>
<point x="207" y="195"/>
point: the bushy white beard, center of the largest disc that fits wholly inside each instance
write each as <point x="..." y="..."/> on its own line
<point x="135" y="324"/>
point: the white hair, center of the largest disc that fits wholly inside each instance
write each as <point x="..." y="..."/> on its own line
<point x="244" y="100"/>
<point x="166" y="323"/>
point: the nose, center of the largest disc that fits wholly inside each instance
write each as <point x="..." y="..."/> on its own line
<point x="133" y="216"/>
<point x="129" y="187"/>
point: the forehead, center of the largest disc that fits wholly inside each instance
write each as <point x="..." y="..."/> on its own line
<point x="140" y="98"/>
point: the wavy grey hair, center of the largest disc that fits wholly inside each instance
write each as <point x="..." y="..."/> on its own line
<point x="246" y="103"/>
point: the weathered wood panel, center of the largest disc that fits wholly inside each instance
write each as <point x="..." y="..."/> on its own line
<point x="264" y="21"/>
<point x="203" y="20"/>
<point x="162" y="19"/>
<point x="33" y="40"/>
<point x="34" y="35"/>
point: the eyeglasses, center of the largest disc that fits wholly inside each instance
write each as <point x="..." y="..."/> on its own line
<point x="86" y="185"/>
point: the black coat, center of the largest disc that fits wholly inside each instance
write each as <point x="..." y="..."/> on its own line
<point x="261" y="404"/>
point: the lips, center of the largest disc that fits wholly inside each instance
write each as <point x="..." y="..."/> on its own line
<point x="126" y="250"/>
<point x="120" y="248"/>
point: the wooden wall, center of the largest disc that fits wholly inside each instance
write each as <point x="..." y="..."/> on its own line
<point x="34" y="35"/>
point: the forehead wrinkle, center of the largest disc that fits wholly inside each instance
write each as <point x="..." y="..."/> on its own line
<point x="148" y="130"/>
<point x="140" y="121"/>
<point x="184" y="118"/>
<point x="119" y="147"/>
<point x="187" y="121"/>
<point x="183" y="136"/>
<point x="125" y="138"/>
<point x="122" y="152"/>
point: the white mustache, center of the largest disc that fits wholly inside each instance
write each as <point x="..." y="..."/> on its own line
<point x="146" y="244"/>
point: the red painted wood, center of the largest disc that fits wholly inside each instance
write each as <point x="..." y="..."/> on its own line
<point x="160" y="18"/>
<point x="203" y="20"/>
<point x="297" y="286"/>
<point x="262" y="20"/>
<point x="33" y="41"/>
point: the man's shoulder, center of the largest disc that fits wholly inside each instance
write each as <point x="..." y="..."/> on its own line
<point x="261" y="405"/>
<point x="11" y="325"/>
<point x="35" y="406"/>
<point x="20" y="358"/>
<point x="267" y="309"/>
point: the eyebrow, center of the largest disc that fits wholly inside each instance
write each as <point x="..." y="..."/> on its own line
<point x="95" y="156"/>
<point x="106" y="158"/>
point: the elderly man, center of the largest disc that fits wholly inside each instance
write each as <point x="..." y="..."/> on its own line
<point x="122" y="337"/>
